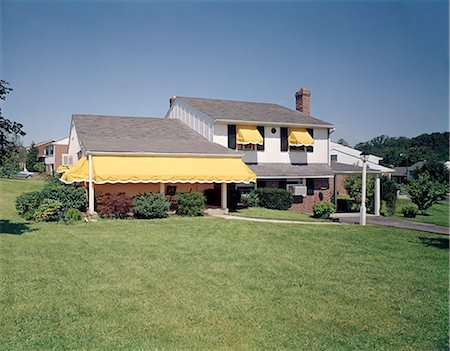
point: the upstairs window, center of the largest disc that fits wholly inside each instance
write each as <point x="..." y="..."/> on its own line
<point x="249" y="135"/>
<point x="334" y="158"/>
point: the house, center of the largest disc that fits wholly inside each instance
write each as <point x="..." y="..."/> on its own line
<point x="41" y="149"/>
<point x="404" y="173"/>
<point x="206" y="144"/>
<point x="56" y="155"/>
<point x="346" y="161"/>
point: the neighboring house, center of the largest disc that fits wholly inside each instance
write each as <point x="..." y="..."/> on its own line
<point x="41" y="149"/>
<point x="404" y="173"/>
<point x="56" y="155"/>
<point x="285" y="148"/>
<point x="346" y="161"/>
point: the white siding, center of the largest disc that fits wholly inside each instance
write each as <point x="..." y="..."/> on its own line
<point x="272" y="150"/>
<point x="198" y="121"/>
<point x="74" y="143"/>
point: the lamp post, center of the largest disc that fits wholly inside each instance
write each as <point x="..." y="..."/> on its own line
<point x="362" y="212"/>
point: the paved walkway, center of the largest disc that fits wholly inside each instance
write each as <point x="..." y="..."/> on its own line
<point x="274" y="220"/>
<point x="353" y="218"/>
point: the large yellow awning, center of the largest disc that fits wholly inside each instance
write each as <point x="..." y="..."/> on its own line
<point x="159" y="169"/>
<point x="62" y="169"/>
<point x="300" y="137"/>
<point x="248" y="135"/>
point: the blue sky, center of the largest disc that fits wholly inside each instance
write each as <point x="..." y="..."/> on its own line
<point x="372" y="67"/>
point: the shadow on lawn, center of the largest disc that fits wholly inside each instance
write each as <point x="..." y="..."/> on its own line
<point x="440" y="243"/>
<point x="8" y="227"/>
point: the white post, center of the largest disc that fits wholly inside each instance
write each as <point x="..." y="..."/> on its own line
<point x="362" y="211"/>
<point x="162" y="189"/>
<point x="377" y="195"/>
<point x="223" y="195"/>
<point x="91" y="186"/>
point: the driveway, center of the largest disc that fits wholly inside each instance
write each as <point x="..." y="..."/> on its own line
<point x="353" y="218"/>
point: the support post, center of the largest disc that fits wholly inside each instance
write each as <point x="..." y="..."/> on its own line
<point x="334" y="192"/>
<point x="377" y="195"/>
<point x="223" y="195"/>
<point x="362" y="212"/>
<point x="91" y="186"/>
<point x="162" y="189"/>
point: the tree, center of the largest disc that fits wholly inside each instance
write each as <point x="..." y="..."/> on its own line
<point x="353" y="184"/>
<point x="424" y="192"/>
<point x="9" y="130"/>
<point x="343" y="142"/>
<point x="436" y="170"/>
<point x="389" y="190"/>
<point x="32" y="157"/>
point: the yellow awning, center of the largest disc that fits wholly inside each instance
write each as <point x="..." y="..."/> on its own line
<point x="62" y="169"/>
<point x="248" y="135"/>
<point x="156" y="169"/>
<point x="300" y="137"/>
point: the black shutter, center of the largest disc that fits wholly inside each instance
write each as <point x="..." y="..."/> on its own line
<point x="310" y="186"/>
<point x="311" y="132"/>
<point x="261" y="131"/>
<point x="232" y="136"/>
<point x="284" y="139"/>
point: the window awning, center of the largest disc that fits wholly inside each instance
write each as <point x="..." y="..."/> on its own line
<point x="300" y="137"/>
<point x="248" y="135"/>
<point x="156" y="169"/>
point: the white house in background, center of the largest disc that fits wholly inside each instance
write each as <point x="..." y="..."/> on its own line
<point x="56" y="155"/>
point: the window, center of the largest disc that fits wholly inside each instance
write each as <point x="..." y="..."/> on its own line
<point x="296" y="148"/>
<point x="310" y="186"/>
<point x="67" y="160"/>
<point x="232" y="136"/>
<point x="310" y="148"/>
<point x="334" y="157"/>
<point x="261" y="131"/>
<point x="246" y="147"/>
<point x="284" y="139"/>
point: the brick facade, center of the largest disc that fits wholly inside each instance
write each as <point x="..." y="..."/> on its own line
<point x="322" y="193"/>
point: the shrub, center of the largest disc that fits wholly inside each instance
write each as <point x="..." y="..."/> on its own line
<point x="323" y="209"/>
<point x="73" y="215"/>
<point x="389" y="190"/>
<point x="69" y="196"/>
<point x="424" y="192"/>
<point x="353" y="184"/>
<point x="116" y="205"/>
<point x="410" y="211"/>
<point x="277" y="199"/>
<point x="150" y="206"/>
<point x="190" y="204"/>
<point x="49" y="210"/>
<point x="28" y="203"/>
<point x="39" y="167"/>
<point x="250" y="199"/>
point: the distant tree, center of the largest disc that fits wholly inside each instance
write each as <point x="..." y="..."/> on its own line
<point x="9" y="130"/>
<point x="424" y="192"/>
<point x="343" y="142"/>
<point x="32" y="157"/>
<point x="437" y="171"/>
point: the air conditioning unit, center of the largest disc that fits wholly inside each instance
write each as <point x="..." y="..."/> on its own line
<point x="297" y="190"/>
<point x="67" y="160"/>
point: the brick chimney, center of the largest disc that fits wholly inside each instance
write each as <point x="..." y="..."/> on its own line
<point x="171" y="101"/>
<point x="303" y="101"/>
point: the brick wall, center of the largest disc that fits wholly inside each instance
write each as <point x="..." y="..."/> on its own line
<point x="340" y="178"/>
<point x="58" y="152"/>
<point x="322" y="193"/>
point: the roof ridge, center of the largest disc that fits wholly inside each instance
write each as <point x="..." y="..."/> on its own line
<point x="230" y="100"/>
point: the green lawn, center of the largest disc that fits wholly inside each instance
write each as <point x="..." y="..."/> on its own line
<point x="437" y="214"/>
<point x="261" y="212"/>
<point x="213" y="284"/>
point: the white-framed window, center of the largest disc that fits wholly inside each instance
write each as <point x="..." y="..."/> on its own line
<point x="67" y="160"/>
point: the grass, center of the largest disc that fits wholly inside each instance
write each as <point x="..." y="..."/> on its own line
<point x="212" y="284"/>
<point x="437" y="214"/>
<point x="261" y="212"/>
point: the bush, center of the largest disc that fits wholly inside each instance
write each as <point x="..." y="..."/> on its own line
<point x="116" y="205"/>
<point x="150" y="206"/>
<point x="69" y="196"/>
<point x="410" y="211"/>
<point x="73" y="215"/>
<point x="353" y="184"/>
<point x="250" y="200"/>
<point x="49" y="210"/>
<point x="190" y="204"/>
<point x="28" y="203"/>
<point x="10" y="166"/>
<point x="424" y="192"/>
<point x="277" y="199"/>
<point x="323" y="209"/>
<point x="389" y="190"/>
<point x="39" y="167"/>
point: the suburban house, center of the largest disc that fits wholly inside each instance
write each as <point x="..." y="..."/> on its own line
<point x="41" y="149"/>
<point x="346" y="161"/>
<point x="206" y="144"/>
<point x="404" y="173"/>
<point x="56" y="155"/>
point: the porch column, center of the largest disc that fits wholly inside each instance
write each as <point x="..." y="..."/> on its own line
<point x="223" y="195"/>
<point x="162" y="189"/>
<point x="91" y="187"/>
<point x="334" y="191"/>
<point x="377" y="195"/>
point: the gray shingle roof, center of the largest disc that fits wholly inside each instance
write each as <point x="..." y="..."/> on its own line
<point x="230" y="110"/>
<point x="291" y="170"/>
<point x="346" y="168"/>
<point x="139" y="134"/>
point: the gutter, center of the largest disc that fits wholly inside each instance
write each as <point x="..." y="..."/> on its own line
<point x="115" y="153"/>
<point x="276" y="124"/>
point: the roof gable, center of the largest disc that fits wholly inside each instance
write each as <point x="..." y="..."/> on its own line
<point x="142" y="134"/>
<point x="230" y="110"/>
